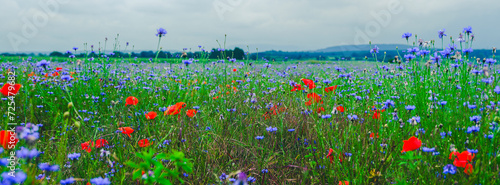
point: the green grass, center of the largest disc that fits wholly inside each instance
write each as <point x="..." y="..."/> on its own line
<point x="230" y="146"/>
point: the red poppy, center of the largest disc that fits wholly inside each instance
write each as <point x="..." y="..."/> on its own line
<point x="151" y="115"/>
<point x="297" y="87"/>
<point x="340" y="109"/>
<point x="234" y="70"/>
<point x="59" y="68"/>
<point x="126" y="130"/>
<point x="10" y="90"/>
<point x="468" y="169"/>
<point x="463" y="158"/>
<point x="330" y="155"/>
<point x="331" y="89"/>
<point x="101" y="143"/>
<point x="131" y="101"/>
<point x="8" y="139"/>
<point x="55" y="74"/>
<point x="315" y="97"/>
<point x="191" y="113"/>
<point x="87" y="146"/>
<point x="309" y="83"/>
<point x="175" y="109"/>
<point x="411" y="144"/>
<point x="344" y="183"/>
<point x="144" y="143"/>
<point x="376" y="114"/>
<point x="320" y="109"/>
<point x="373" y="135"/>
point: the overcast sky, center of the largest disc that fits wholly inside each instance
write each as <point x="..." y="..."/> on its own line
<point x="292" y="25"/>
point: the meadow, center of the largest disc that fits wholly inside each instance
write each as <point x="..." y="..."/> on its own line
<point x="427" y="116"/>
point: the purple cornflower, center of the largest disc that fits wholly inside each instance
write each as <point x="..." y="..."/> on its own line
<point x="441" y="33"/>
<point x="161" y="32"/>
<point x="406" y="35"/>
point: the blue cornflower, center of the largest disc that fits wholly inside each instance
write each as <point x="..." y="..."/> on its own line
<point x="472" y="129"/>
<point x="272" y="129"/>
<point x="410" y="107"/>
<point x="265" y="171"/>
<point x="326" y="116"/>
<point x="373" y="50"/>
<point x="70" y="180"/>
<point x="441" y="33"/>
<point x="223" y="177"/>
<point x="18" y="178"/>
<point x="75" y="48"/>
<point x="43" y="63"/>
<point x="475" y="118"/>
<point x="259" y="137"/>
<point x="467" y="50"/>
<point x="251" y="179"/>
<point x="449" y="168"/>
<point x="436" y="58"/>
<point x="473" y="151"/>
<point x="66" y="78"/>
<point x="74" y="156"/>
<point x="409" y="56"/>
<point x="161" y="32"/>
<point x="406" y="35"/>
<point x="425" y="149"/>
<point x="187" y="62"/>
<point x="468" y="30"/>
<point x="100" y="181"/>
<point x="26" y="153"/>
<point x="497" y="89"/>
<point x="291" y="130"/>
<point x="4" y="162"/>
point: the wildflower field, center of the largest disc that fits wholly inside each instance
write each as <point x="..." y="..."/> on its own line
<point x="427" y="116"/>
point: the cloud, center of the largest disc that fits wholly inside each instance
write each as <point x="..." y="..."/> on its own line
<point x="277" y="24"/>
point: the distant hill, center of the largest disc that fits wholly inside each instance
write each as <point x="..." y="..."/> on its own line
<point x="344" y="48"/>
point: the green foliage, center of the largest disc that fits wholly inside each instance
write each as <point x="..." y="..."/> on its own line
<point x="161" y="174"/>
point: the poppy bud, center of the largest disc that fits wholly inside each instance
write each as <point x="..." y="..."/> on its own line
<point x="77" y="124"/>
<point x="70" y="105"/>
<point x="66" y="115"/>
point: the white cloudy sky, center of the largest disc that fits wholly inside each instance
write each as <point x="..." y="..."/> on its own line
<point x="265" y="24"/>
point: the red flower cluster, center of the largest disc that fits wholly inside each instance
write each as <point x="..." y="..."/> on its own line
<point x="463" y="160"/>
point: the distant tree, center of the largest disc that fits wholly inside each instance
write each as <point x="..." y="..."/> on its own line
<point x="56" y="54"/>
<point x="238" y="53"/>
